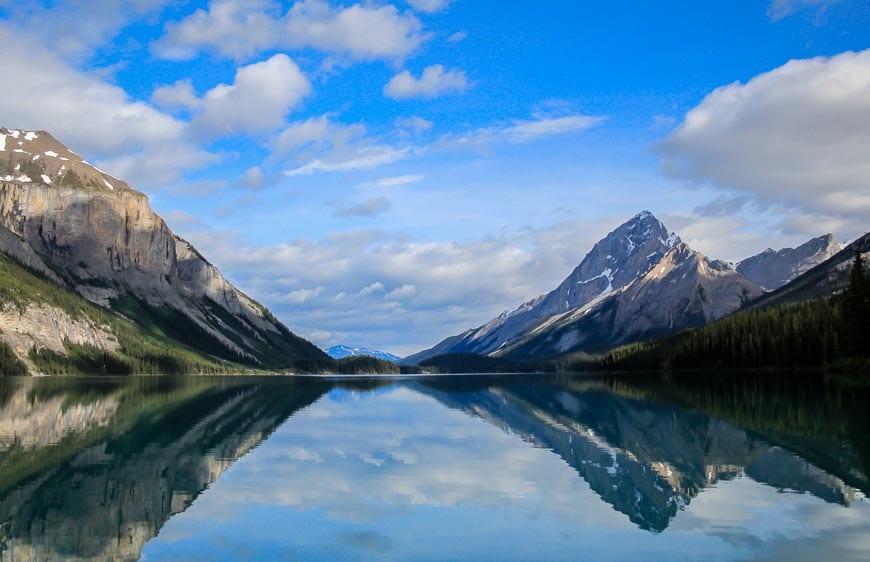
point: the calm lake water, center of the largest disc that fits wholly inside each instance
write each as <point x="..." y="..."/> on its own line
<point x="437" y="468"/>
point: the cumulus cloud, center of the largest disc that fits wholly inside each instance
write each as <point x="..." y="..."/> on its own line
<point x="414" y="124"/>
<point x="435" y="81"/>
<point x="235" y="28"/>
<point x="796" y="136"/>
<point x="429" y="6"/>
<point x="320" y="144"/>
<point x="370" y="208"/>
<point x="457" y="37"/>
<point x="782" y="8"/>
<point x="75" y="29"/>
<point x="242" y="28"/>
<point x="391" y="292"/>
<point x="179" y="95"/>
<point x="262" y="94"/>
<point x="130" y="139"/>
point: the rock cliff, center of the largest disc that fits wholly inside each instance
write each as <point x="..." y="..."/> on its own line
<point x="771" y="269"/>
<point x="93" y="233"/>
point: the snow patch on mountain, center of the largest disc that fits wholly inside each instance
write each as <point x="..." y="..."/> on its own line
<point x="342" y="351"/>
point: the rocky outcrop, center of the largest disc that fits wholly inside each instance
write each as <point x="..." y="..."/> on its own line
<point x="82" y="227"/>
<point x="42" y="326"/>
<point x="828" y="278"/>
<point x="771" y="269"/>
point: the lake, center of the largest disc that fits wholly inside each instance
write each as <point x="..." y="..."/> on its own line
<point x="476" y="467"/>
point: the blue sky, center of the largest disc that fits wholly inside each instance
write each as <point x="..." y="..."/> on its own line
<point x="390" y="173"/>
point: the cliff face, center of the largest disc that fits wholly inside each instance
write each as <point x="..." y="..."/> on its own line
<point x="98" y="236"/>
<point x="771" y="269"/>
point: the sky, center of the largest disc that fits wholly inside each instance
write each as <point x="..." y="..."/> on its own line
<point x="387" y="174"/>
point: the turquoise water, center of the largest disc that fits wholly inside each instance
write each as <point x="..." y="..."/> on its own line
<point x="445" y="468"/>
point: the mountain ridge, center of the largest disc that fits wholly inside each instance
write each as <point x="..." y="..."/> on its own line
<point x="96" y="235"/>
<point x="343" y="351"/>
<point x="596" y="305"/>
<point x="771" y="269"/>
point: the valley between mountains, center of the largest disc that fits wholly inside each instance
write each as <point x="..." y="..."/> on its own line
<point x="92" y="280"/>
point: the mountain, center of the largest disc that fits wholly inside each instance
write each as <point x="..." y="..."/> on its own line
<point x="96" y="236"/>
<point x="771" y="269"/>
<point x="825" y="279"/>
<point x="342" y="351"/>
<point x="640" y="281"/>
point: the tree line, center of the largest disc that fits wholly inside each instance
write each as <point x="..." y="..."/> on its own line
<point x="813" y="333"/>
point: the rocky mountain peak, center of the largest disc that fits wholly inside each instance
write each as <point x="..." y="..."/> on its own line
<point x="37" y="157"/>
<point x="625" y="254"/>
<point x="772" y="269"/>
<point x="93" y="234"/>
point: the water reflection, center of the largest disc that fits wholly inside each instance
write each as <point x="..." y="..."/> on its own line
<point x="447" y="468"/>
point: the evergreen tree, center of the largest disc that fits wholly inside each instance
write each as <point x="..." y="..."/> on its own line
<point x="857" y="307"/>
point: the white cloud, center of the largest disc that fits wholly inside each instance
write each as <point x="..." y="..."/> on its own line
<point x="298" y="296"/>
<point x="457" y="37"/>
<point x="376" y="287"/>
<point x="262" y="94"/>
<point x="394" y="181"/>
<point x="434" y="82"/>
<point x="366" y="158"/>
<point x="519" y="131"/>
<point x="781" y="8"/>
<point x="452" y="282"/>
<point x="429" y="6"/>
<point x="369" y="208"/>
<point x="327" y="146"/>
<point x="179" y="95"/>
<point x="235" y="28"/>
<point x="128" y="138"/>
<point x="796" y="136"/>
<point x="253" y="178"/>
<point x="242" y="28"/>
<point x="361" y="31"/>
<point x="74" y="29"/>
<point x="415" y="124"/>
<point x="403" y="292"/>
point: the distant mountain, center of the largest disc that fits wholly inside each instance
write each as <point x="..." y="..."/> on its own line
<point x="342" y="351"/>
<point x="640" y="281"/>
<point x="825" y="279"/>
<point x="771" y="269"/>
<point x="96" y="237"/>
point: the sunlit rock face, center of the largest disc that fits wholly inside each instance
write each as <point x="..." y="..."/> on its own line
<point x="95" y="234"/>
<point x="771" y="269"/>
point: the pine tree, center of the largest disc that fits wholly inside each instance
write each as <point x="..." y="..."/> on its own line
<point x="857" y="303"/>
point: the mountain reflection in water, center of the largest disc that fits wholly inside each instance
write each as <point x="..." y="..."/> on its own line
<point x="439" y="467"/>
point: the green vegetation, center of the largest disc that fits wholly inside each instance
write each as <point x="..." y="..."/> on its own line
<point x="798" y="410"/>
<point x="815" y="333"/>
<point x="358" y="365"/>
<point x="141" y="350"/>
<point x="472" y="363"/>
<point x="9" y="363"/>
